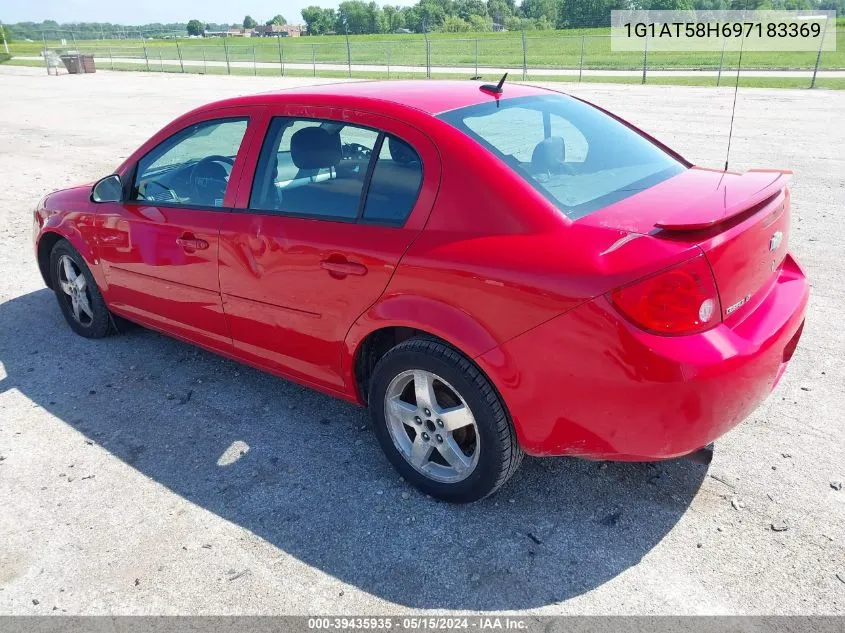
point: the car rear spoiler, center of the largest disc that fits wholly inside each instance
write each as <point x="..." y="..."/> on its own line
<point x="736" y="195"/>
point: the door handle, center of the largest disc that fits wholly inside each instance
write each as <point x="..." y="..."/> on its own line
<point x="343" y="267"/>
<point x="190" y="243"/>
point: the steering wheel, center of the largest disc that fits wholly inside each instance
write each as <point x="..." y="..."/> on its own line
<point x="356" y="150"/>
<point x="144" y="185"/>
<point x="207" y="186"/>
<point x="567" y="169"/>
<point x="561" y="169"/>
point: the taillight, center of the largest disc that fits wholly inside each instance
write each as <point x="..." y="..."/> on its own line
<point x="674" y="302"/>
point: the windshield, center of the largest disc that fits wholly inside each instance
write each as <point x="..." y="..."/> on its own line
<point x="575" y="155"/>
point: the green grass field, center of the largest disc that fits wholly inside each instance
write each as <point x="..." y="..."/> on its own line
<point x="745" y="82"/>
<point x="544" y="49"/>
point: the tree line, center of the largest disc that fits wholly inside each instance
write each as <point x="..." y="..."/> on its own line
<point x="359" y="17"/>
<point x="451" y="16"/>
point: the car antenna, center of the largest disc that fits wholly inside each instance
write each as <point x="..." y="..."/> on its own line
<point x="736" y="90"/>
<point x="497" y="89"/>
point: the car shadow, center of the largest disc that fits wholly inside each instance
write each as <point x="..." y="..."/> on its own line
<point x="304" y="472"/>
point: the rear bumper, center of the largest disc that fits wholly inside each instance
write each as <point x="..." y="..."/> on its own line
<point x="590" y="384"/>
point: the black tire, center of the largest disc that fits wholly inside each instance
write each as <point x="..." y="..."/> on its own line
<point x="99" y="323"/>
<point x="499" y="452"/>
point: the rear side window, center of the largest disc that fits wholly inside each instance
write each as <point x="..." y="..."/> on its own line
<point x="579" y="158"/>
<point x="333" y="170"/>
<point x="395" y="183"/>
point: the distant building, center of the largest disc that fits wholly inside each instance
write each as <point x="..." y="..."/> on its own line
<point x="280" y="30"/>
<point x="498" y="28"/>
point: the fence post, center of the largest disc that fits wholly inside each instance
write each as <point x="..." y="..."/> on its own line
<point x="179" y="52"/>
<point x="146" y="58"/>
<point x="204" y="66"/>
<point x="314" y="58"/>
<point x="721" y="61"/>
<point x="524" y="58"/>
<point x="645" y="57"/>
<point x="343" y="18"/>
<point x="389" y="51"/>
<point x="111" y="59"/>
<point x="819" y="55"/>
<point x="44" y="52"/>
<point x="254" y="66"/>
<point x="281" y="55"/>
<point x="160" y="61"/>
<point x="581" y="63"/>
<point x="226" y="53"/>
<point x="476" y="57"/>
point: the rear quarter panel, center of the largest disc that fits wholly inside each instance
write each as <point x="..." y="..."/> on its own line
<point x="496" y="259"/>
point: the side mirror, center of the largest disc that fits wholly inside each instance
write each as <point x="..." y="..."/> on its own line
<point x="108" y="189"/>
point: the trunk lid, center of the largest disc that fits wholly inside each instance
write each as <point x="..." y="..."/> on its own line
<point x="740" y="221"/>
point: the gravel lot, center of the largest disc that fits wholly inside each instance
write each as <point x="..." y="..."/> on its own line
<point x="124" y="491"/>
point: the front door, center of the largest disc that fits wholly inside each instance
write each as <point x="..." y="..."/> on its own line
<point x="335" y="201"/>
<point x="159" y="248"/>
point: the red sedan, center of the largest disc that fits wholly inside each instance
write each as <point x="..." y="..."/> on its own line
<point x="493" y="272"/>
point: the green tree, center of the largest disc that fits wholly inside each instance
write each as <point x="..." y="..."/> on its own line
<point x="319" y="20"/>
<point x="467" y="8"/>
<point x="376" y="21"/>
<point x="279" y="20"/>
<point x="249" y="23"/>
<point x="195" y="27"/>
<point x="394" y="17"/>
<point x="499" y="10"/>
<point x="454" y="24"/>
<point x="588" y="13"/>
<point x="513" y="23"/>
<point x="479" y="24"/>
<point x="669" y="5"/>
<point x="536" y="9"/>
<point x="355" y="16"/>
<point x="412" y="18"/>
<point x="431" y="14"/>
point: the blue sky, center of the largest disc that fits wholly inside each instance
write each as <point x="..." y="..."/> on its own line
<point x="145" y="11"/>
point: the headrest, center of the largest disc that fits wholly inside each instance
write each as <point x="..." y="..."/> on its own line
<point x="401" y="152"/>
<point x="548" y="155"/>
<point x="315" y="148"/>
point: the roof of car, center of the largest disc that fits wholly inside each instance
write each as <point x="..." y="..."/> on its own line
<point x="431" y="96"/>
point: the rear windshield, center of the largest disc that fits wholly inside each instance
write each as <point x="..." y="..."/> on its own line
<point x="575" y="155"/>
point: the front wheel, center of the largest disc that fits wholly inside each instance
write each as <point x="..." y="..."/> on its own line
<point x="441" y="423"/>
<point x="79" y="297"/>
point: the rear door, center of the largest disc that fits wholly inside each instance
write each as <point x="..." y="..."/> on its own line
<point x="159" y="248"/>
<point x="325" y="213"/>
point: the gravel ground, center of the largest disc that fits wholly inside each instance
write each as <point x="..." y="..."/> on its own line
<point x="139" y="475"/>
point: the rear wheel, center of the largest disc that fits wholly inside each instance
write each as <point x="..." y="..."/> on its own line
<point x="441" y="423"/>
<point x="78" y="295"/>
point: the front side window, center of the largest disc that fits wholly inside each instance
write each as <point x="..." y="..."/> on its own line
<point x="335" y="170"/>
<point x="193" y="166"/>
<point x="575" y="155"/>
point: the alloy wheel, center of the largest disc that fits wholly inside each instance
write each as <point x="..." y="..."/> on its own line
<point x="75" y="290"/>
<point x="432" y="426"/>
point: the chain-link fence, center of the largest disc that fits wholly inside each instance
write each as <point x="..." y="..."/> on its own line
<point x="524" y="56"/>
